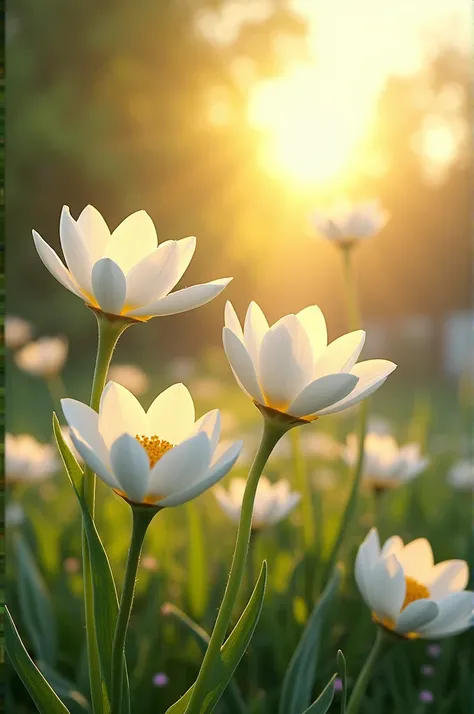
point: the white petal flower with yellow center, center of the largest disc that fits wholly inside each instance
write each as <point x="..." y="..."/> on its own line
<point x="162" y="456"/>
<point x="124" y="272"/>
<point x="43" y="358"/>
<point x="17" y="331"/>
<point x="386" y="464"/>
<point x="26" y="459"/>
<point x="273" y="502"/>
<point x="408" y="594"/>
<point x="290" y="368"/>
<point x="348" y="223"/>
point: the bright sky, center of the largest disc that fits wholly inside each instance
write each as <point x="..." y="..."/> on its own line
<point x="315" y="114"/>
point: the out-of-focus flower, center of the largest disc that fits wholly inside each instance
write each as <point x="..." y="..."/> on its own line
<point x="149" y="562"/>
<point x="28" y="460"/>
<point x="14" y="515"/>
<point x="324" y="479"/>
<point x="290" y="369"/>
<point x="71" y="565"/>
<point x="386" y="465"/>
<point x="427" y="670"/>
<point x="426" y="696"/>
<point x="348" y="223"/>
<point x="43" y="358"/>
<point x="182" y="368"/>
<point x="17" y="331"/>
<point x="410" y="595"/>
<point x="434" y="651"/>
<point x="160" y="679"/>
<point x="317" y="443"/>
<point x="461" y="475"/>
<point x="379" y="425"/>
<point x="338" y="686"/>
<point x="273" y="502"/>
<point x="206" y="388"/>
<point x="66" y="432"/>
<point x="131" y="377"/>
<point x="124" y="272"/>
<point x="160" y="457"/>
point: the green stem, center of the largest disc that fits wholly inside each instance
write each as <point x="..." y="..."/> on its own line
<point x="109" y="332"/>
<point x="141" y="520"/>
<point x="382" y="642"/>
<point x="353" y="308"/>
<point x="56" y="389"/>
<point x="272" y="432"/>
<point x="303" y="486"/>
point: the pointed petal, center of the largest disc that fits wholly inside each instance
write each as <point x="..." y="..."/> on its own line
<point x="416" y="615"/>
<point x="286" y="362"/>
<point x="86" y="423"/>
<point x="171" y="415"/>
<point x="131" y="467"/>
<point x="92" y="459"/>
<point x="52" y="262"/>
<point x="148" y="280"/>
<point x="181" y="467"/>
<point x="232" y="321"/>
<point x="314" y="324"/>
<point x="221" y="468"/>
<point x="132" y="240"/>
<point x="453" y="611"/>
<point x="447" y="577"/>
<point x="241" y="365"/>
<point x="416" y="559"/>
<point x="387" y="588"/>
<point x="341" y="355"/>
<point x="109" y="286"/>
<point x="183" y="300"/>
<point x="120" y="412"/>
<point x="322" y="393"/>
<point x="229" y="507"/>
<point x="392" y="546"/>
<point x="75" y="250"/>
<point x="256" y="326"/>
<point x="372" y="374"/>
<point x="210" y="424"/>
<point x="95" y="232"/>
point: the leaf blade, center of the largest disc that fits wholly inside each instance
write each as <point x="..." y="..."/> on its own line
<point x="324" y="701"/>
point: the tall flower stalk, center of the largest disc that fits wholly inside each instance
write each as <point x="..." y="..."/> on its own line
<point x="381" y="644"/>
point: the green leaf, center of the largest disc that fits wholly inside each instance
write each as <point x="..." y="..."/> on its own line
<point x="35" y="604"/>
<point x="44" y="697"/>
<point x="342" y="669"/>
<point x="299" y="677"/>
<point x="198" y="588"/>
<point x="106" y="602"/>
<point x="324" y="701"/>
<point x="232" y="651"/>
<point x="65" y="690"/>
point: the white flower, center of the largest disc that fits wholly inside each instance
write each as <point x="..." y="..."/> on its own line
<point x="320" y="444"/>
<point x="290" y="368"/>
<point x="348" y="223"/>
<point x="273" y="502"/>
<point x="131" y="377"/>
<point x="124" y="272"/>
<point x="14" y="515"/>
<point x="410" y="595"/>
<point x="160" y="457"/>
<point x="17" y="332"/>
<point x="43" y="358"/>
<point x="28" y="460"/>
<point x="386" y="464"/>
<point x="461" y="475"/>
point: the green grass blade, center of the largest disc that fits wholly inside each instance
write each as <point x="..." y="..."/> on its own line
<point x="324" y="701"/>
<point x="341" y="663"/>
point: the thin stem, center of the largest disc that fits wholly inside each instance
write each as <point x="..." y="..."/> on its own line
<point x="141" y="521"/>
<point x="353" y="307"/>
<point x="56" y="389"/>
<point x="303" y="486"/>
<point x="272" y="432"/>
<point x="381" y="643"/>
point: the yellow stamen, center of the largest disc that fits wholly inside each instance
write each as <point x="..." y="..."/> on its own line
<point x="414" y="591"/>
<point x="154" y="446"/>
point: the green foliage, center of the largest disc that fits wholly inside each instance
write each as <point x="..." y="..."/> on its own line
<point x="324" y="701"/>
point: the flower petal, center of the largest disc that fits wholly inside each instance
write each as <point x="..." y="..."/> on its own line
<point x="75" y="250"/>
<point x="149" y="278"/>
<point x="341" y="355"/>
<point x="284" y="508"/>
<point x="392" y="546"/>
<point x="416" y="559"/>
<point x="366" y="560"/>
<point x="171" y="415"/>
<point x="416" y="615"/>
<point x="92" y="459"/>
<point x="181" y="467"/>
<point x="386" y="588"/>
<point x="182" y="300"/>
<point x="86" y="423"/>
<point x="232" y="321"/>
<point x="109" y="286"/>
<point x="230" y="507"/>
<point x="120" y="412"/>
<point x="241" y="365"/>
<point x="322" y="393"/>
<point x="95" y="232"/>
<point x="286" y="362"/>
<point x="53" y="263"/>
<point x="314" y="325"/>
<point x="447" y="577"/>
<point x="131" y="467"/>
<point x="210" y="424"/>
<point x="132" y="240"/>
<point x="255" y="327"/>
<point x="453" y="610"/>
<point x="372" y="374"/>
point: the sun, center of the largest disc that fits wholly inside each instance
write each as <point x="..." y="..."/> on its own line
<point x="311" y="130"/>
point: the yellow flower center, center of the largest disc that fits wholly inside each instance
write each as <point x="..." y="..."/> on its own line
<point x="414" y="591"/>
<point x="154" y="446"/>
